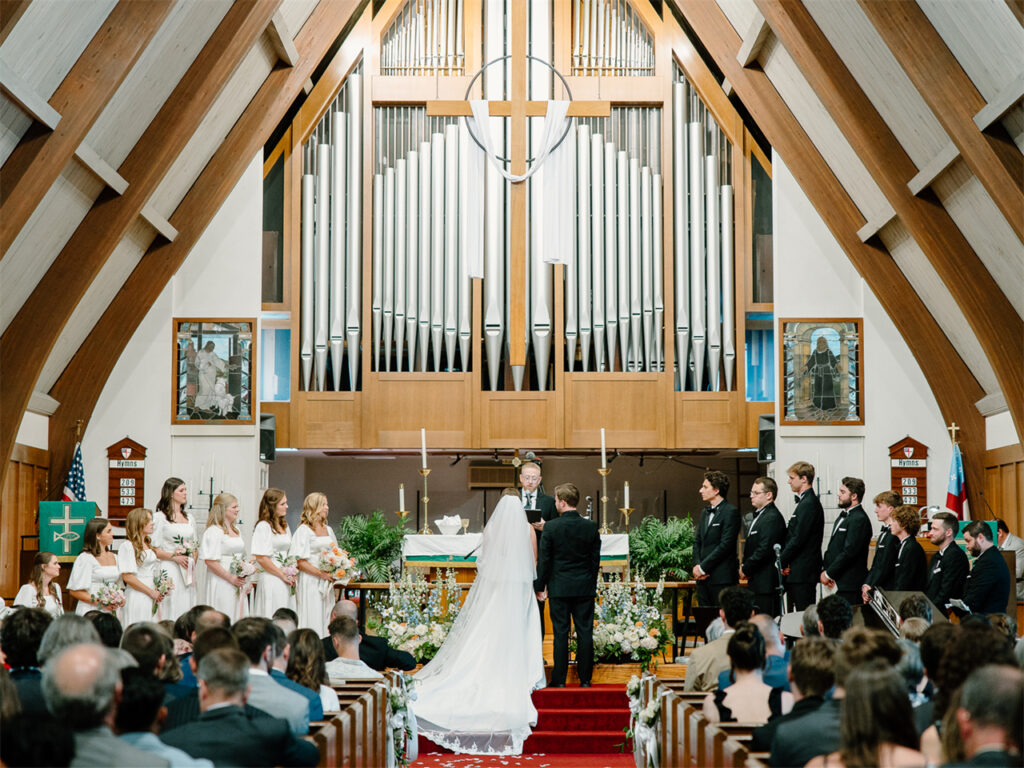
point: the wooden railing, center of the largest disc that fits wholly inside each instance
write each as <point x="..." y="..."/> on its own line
<point x="356" y="736"/>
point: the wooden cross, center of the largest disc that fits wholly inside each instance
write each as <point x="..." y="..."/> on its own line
<point x="518" y="109"/>
<point x="953" y="429"/>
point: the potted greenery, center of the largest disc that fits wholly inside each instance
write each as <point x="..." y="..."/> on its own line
<point x="657" y="548"/>
<point x="373" y="542"/>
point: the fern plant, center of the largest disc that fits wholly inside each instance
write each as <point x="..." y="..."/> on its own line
<point x="657" y="548"/>
<point x="373" y="542"/>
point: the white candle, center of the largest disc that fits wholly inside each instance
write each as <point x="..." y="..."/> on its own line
<point x="423" y="447"/>
<point x="626" y="505"/>
<point x="401" y="497"/>
<point x="604" y="451"/>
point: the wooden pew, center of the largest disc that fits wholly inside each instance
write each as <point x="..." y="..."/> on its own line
<point x="323" y="734"/>
<point x="366" y="701"/>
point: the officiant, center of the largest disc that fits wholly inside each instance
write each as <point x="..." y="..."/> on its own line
<point x="536" y="501"/>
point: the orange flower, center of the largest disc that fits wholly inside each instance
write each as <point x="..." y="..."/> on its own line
<point x="653" y="632"/>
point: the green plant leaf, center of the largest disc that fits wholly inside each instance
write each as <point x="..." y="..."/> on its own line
<point x="373" y="542"/>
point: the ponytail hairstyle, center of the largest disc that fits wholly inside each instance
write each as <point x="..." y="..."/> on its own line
<point x="268" y="510"/>
<point x="220" y="504"/>
<point x="137" y="520"/>
<point x="165" y="505"/>
<point x="310" y="508"/>
<point x="90" y="539"/>
<point x="42" y="559"/>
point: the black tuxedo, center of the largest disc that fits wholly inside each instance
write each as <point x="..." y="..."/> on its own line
<point x="714" y="550"/>
<point x="882" y="574"/>
<point x="228" y="736"/>
<point x="911" y="567"/>
<point x="802" y="552"/>
<point x="567" y="566"/>
<point x="375" y="653"/>
<point x="988" y="583"/>
<point x="546" y="505"/>
<point x="846" y="559"/>
<point x="800" y="740"/>
<point x="767" y="530"/>
<point x="185" y="709"/>
<point x="947" y="575"/>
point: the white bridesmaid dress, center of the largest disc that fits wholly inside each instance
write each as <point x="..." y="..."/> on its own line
<point x="183" y="596"/>
<point x="313" y="602"/>
<point x="220" y="593"/>
<point x="27" y="597"/>
<point x="138" y="606"/>
<point x="88" y="575"/>
<point x="271" y="592"/>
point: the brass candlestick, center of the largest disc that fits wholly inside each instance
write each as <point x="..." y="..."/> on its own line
<point x="604" y="472"/>
<point x="403" y="515"/>
<point x="426" y="500"/>
<point x="626" y="512"/>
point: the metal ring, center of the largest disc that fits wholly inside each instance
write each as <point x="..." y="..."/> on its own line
<point x="549" y="65"/>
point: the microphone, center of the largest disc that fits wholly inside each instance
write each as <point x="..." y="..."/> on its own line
<point x="777" y="548"/>
<point x="531" y="456"/>
<point x="589" y="505"/>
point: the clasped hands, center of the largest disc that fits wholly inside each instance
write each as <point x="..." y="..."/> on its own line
<point x="542" y="596"/>
<point x="698" y="573"/>
<point x="827" y="580"/>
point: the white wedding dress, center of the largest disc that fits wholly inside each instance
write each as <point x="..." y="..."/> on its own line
<point x="474" y="696"/>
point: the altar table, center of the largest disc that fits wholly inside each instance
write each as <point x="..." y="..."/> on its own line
<point x="459" y="551"/>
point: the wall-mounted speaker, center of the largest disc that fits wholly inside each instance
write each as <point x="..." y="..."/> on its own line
<point x="268" y="429"/>
<point x="766" y="438"/>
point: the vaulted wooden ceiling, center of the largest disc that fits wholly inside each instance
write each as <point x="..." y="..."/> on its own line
<point x="125" y="123"/>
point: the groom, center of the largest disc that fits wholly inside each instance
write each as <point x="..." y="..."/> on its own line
<point x="567" y="566"/>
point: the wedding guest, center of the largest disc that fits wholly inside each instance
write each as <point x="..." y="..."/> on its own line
<point x="286" y="619"/>
<point x="173" y="536"/>
<point x="876" y="725"/>
<point x="776" y="657"/>
<point x="137" y="561"/>
<point x="108" y="627"/>
<point x="809" y="622"/>
<point x="94" y="568"/>
<point x="20" y="636"/>
<point x="347" y="666"/>
<point x="373" y="650"/>
<point x="31" y="740"/>
<point x="10" y="704"/>
<point x="706" y="662"/>
<point x="314" y="593"/>
<point x="932" y="647"/>
<point x="42" y="589"/>
<point x="881" y="574"/>
<point x="990" y="716"/>
<point x="271" y="540"/>
<point x="915" y="606"/>
<point x="70" y="629"/>
<point x="306" y="666"/>
<point x="913" y="629"/>
<point x="223" y="545"/>
<point x="911" y="563"/>
<point x="256" y="640"/>
<point x="835" y="616"/>
<point x="283" y="653"/>
<point x="749" y="699"/>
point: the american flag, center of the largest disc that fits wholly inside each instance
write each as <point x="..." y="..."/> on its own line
<point x="74" y="488"/>
<point x="956" y="496"/>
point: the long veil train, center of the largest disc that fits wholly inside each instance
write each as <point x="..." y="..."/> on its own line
<point x="474" y="696"/>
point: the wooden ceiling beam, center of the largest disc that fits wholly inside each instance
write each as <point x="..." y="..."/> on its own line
<point x="82" y="381"/>
<point x="952" y="383"/>
<point x="29" y="339"/>
<point x="990" y="315"/>
<point x="948" y="91"/>
<point x="42" y="153"/>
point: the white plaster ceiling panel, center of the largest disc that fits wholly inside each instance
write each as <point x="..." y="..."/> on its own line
<point x="985" y="37"/>
<point x="789" y="81"/>
<point x="159" y="69"/>
<point x="740" y="14"/>
<point x="96" y="300"/>
<point x="226" y="109"/>
<point x="295" y="13"/>
<point x="48" y="39"/>
<point x="13" y="124"/>
<point x="985" y="228"/>
<point x="876" y="70"/>
<point x="933" y="292"/>
<point x="44" y="235"/>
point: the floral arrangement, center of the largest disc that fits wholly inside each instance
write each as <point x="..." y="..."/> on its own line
<point x="401" y="721"/>
<point x="108" y="596"/>
<point x="337" y="562"/>
<point x="185" y="545"/>
<point x="162" y="583"/>
<point x="642" y="719"/>
<point x="288" y="565"/>
<point x="243" y="568"/>
<point x="416" y="615"/>
<point x="629" y="622"/>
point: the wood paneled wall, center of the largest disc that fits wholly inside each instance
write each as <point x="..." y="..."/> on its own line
<point x="1004" y="487"/>
<point x="25" y="485"/>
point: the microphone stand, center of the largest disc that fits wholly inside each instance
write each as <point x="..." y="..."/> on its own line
<point x="780" y="589"/>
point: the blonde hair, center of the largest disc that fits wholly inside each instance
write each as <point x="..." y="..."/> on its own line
<point x="310" y="506"/>
<point x="41" y="560"/>
<point x="137" y="520"/>
<point x="220" y="504"/>
<point x="268" y="506"/>
<point x="509" y="492"/>
<point x="802" y="469"/>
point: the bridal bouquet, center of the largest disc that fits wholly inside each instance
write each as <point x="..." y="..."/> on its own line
<point x="162" y="583"/>
<point x="243" y="568"/>
<point x="185" y="545"/>
<point x="417" y="615"/>
<point x="288" y="566"/>
<point x="108" y="597"/>
<point x="338" y="564"/>
<point x="629" y="623"/>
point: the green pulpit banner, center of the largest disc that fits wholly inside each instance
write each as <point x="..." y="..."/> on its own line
<point x="62" y="525"/>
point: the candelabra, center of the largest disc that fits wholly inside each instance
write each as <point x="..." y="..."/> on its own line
<point x="626" y="512"/>
<point x="424" y="473"/>
<point x="603" y="472"/>
<point x="209" y="498"/>
<point x="403" y="515"/>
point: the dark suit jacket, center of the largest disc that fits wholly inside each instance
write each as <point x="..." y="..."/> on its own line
<point x="714" y="547"/>
<point x="846" y="559"/>
<point x="988" y="583"/>
<point x="761" y="739"/>
<point x="767" y="530"/>
<point x="800" y="740"/>
<point x="911" y="566"/>
<point x="185" y="710"/>
<point x="991" y="758"/>
<point x="29" y="682"/>
<point x="802" y="552"/>
<point x="375" y="653"/>
<point x="546" y="505"/>
<point x="228" y="736"/>
<point x="882" y="573"/>
<point x="570" y="557"/>
<point x="947" y="575"/>
<point x="316" y="707"/>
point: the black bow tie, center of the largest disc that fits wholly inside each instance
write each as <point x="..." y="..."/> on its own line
<point x="796" y="499"/>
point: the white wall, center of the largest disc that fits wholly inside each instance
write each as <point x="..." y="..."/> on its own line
<point x="814" y="278"/>
<point x="34" y="431"/>
<point x="220" y="278"/>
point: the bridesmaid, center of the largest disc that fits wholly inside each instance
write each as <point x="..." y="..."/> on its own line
<point x="137" y="561"/>
<point x="95" y="567"/>
<point x="314" y="593"/>
<point x="172" y="521"/>
<point x="272" y="539"/>
<point x="42" y="590"/>
<point x="221" y="542"/>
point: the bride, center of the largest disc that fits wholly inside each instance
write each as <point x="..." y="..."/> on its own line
<point x="474" y="697"/>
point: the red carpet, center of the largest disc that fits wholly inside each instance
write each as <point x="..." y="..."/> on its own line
<point x="576" y="728"/>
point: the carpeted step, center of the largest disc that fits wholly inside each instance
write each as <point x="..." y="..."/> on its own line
<point x="574" y="742"/>
<point x="594" y="719"/>
<point x="598" y="696"/>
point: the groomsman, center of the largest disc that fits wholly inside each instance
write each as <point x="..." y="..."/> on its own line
<point x="767" y="530"/>
<point x="534" y="498"/>
<point x="846" y="559"/>
<point x="988" y="583"/>
<point x="883" y="567"/>
<point x="947" y="574"/>
<point x="714" y="547"/>
<point x="801" y="556"/>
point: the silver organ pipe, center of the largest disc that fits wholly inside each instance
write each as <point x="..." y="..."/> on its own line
<point x="465" y="292"/>
<point x="714" y="266"/>
<point x="321" y="312"/>
<point x="697" y="287"/>
<point x="412" y="256"/>
<point x="494" y="206"/>
<point x="339" y="211"/>
<point x="623" y="253"/>
<point x="401" y="239"/>
<point x="354" y="283"/>
<point x="609" y="38"/>
<point x="635" y="258"/>
<point x="680" y="222"/>
<point x="425" y="38"/>
<point x="451" y="240"/>
<point x="584" y="254"/>
<point x="437" y="211"/>
<point x="425" y="220"/>
<point x="308" y="269"/>
<point x="388" y="306"/>
<point x="647" y="267"/>
<point x="570" y="272"/>
<point x="611" y="271"/>
<point x="377" y="298"/>
<point x="540" y="279"/>
<point x="728" y="303"/>
<point x="597" y="245"/>
<point x="658" y="272"/>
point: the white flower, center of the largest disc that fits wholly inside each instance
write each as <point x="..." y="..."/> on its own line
<point x="649" y="643"/>
<point x="421" y="629"/>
